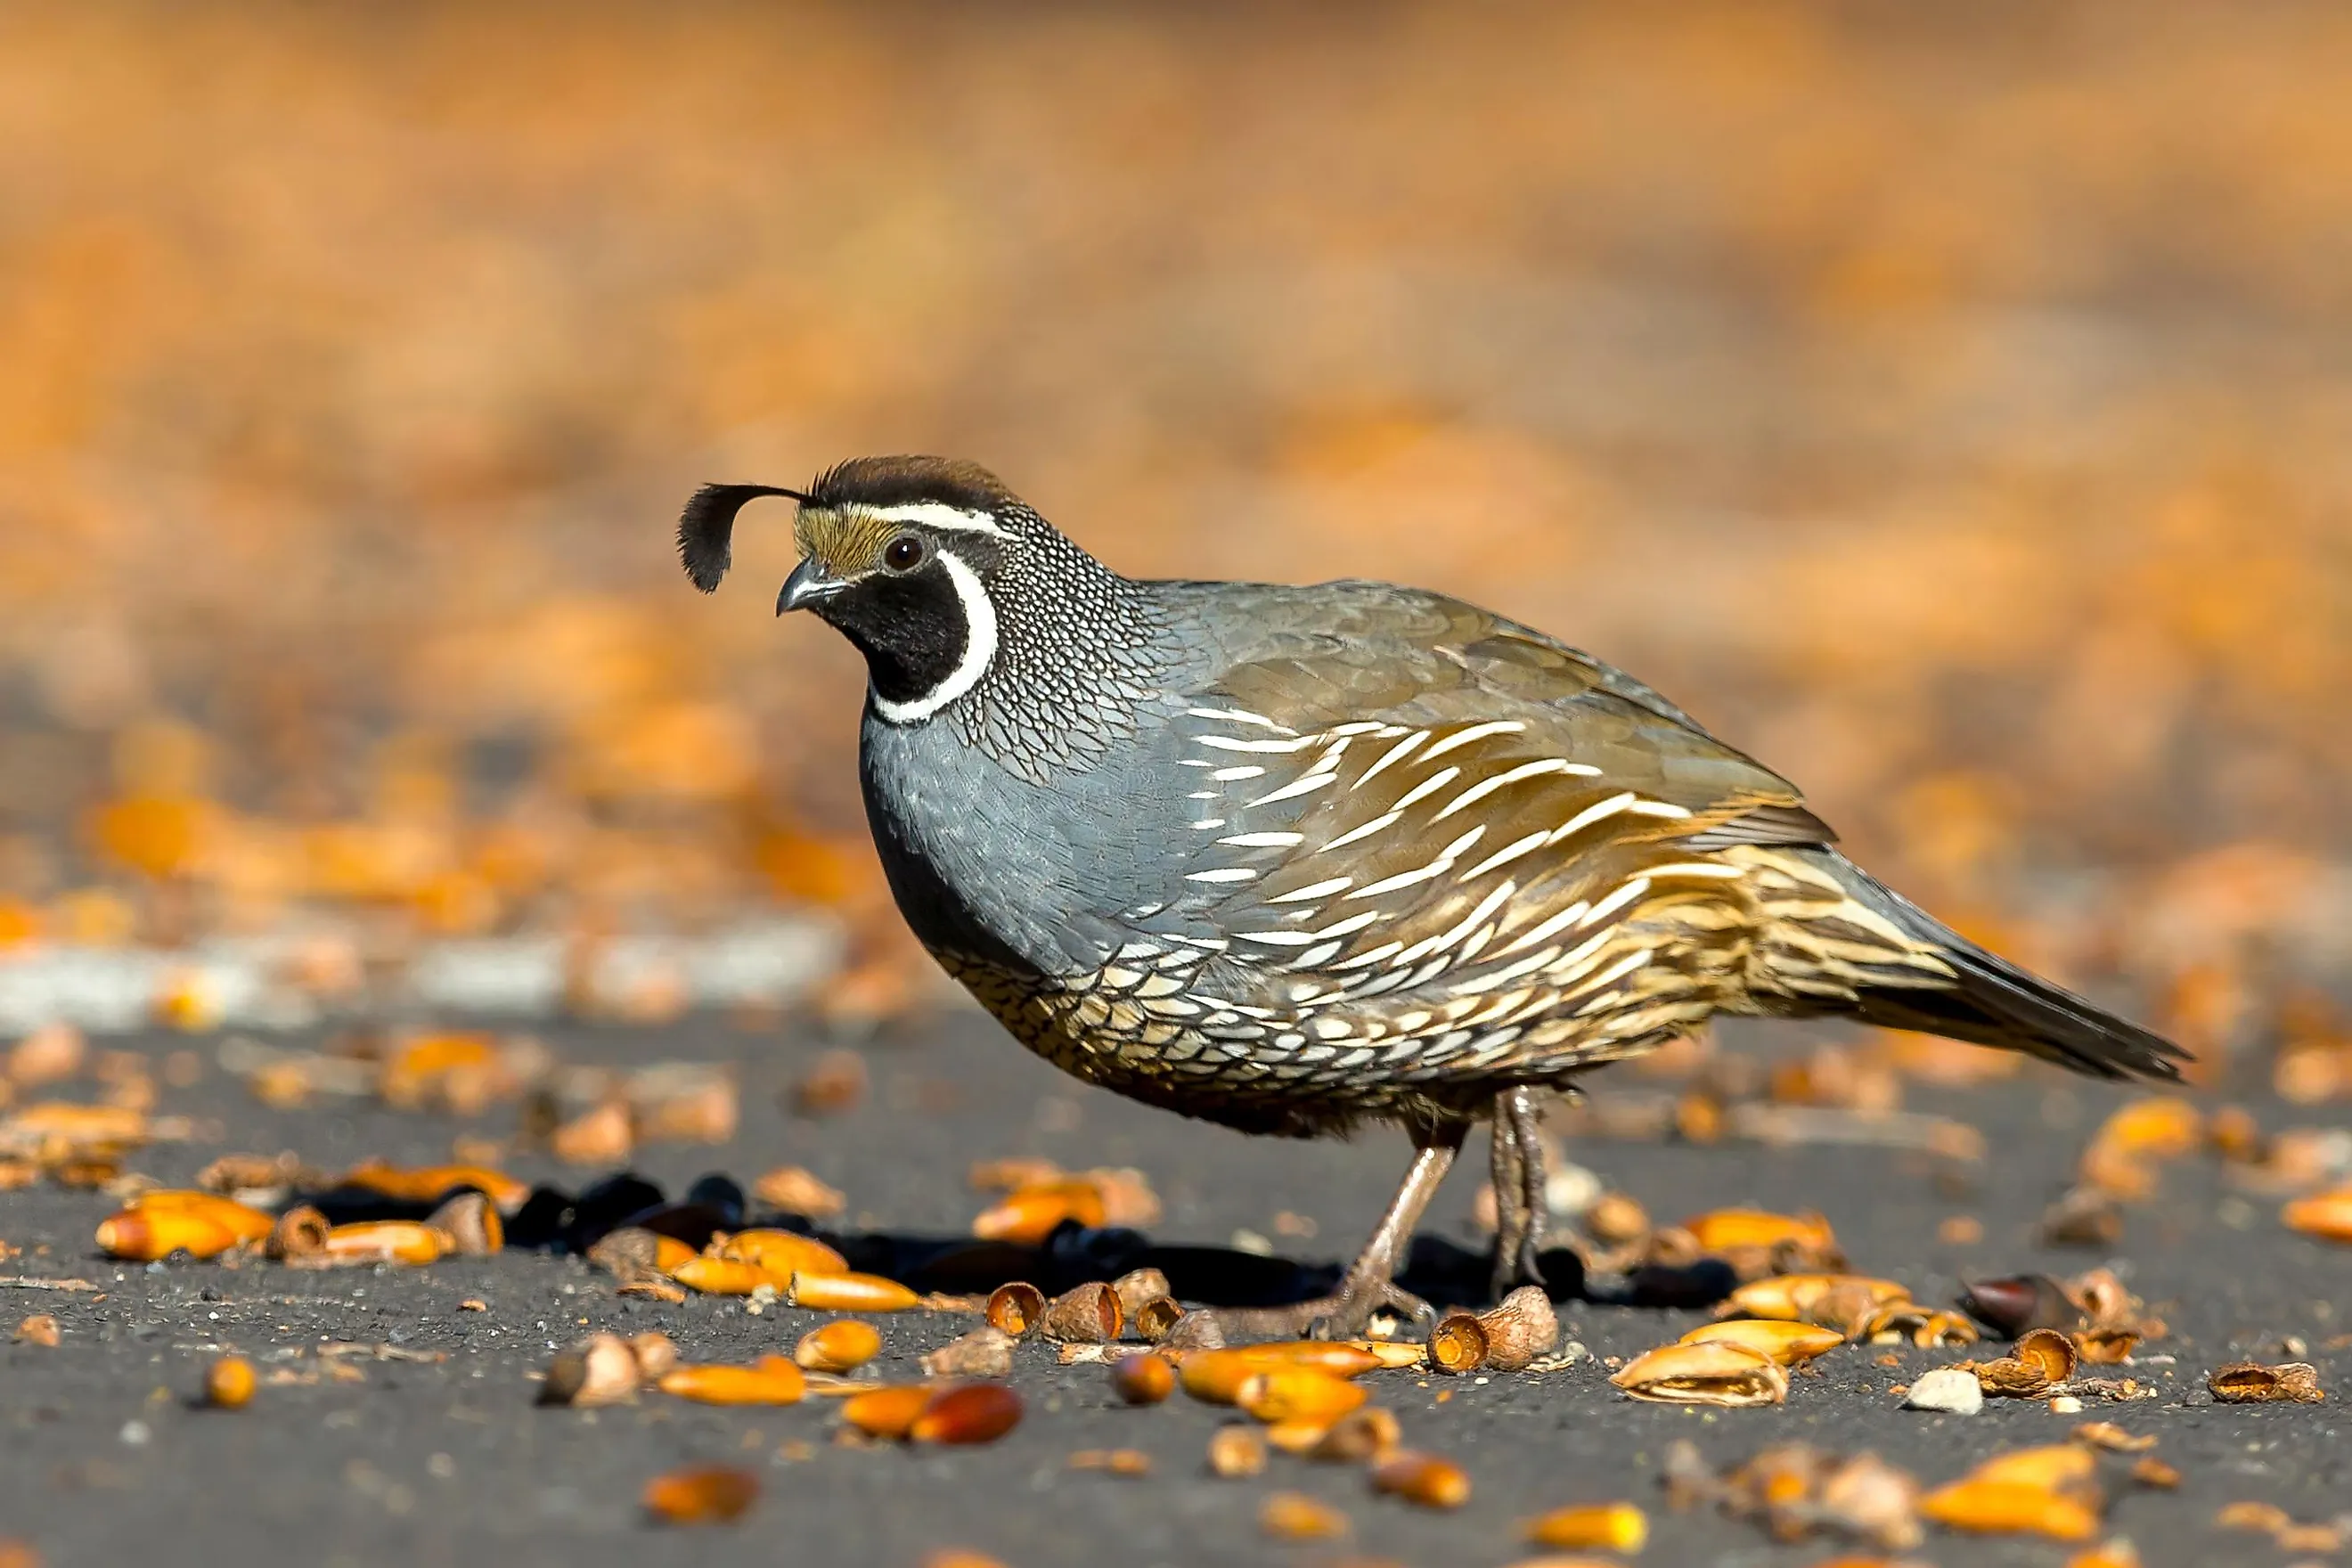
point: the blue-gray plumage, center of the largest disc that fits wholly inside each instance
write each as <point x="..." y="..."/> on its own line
<point x="1293" y="858"/>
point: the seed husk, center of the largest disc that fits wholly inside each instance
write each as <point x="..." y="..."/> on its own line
<point x="229" y="1382"/>
<point x="1616" y="1220"/>
<point x="2149" y="1471"/>
<point x="850" y="1293"/>
<point x="1126" y="1462"/>
<point x="1995" y="1507"/>
<point x="1085" y="1314"/>
<point x="1519" y="1328"/>
<point x="2252" y="1382"/>
<point x="40" y="1329"/>
<point x="1235" y="1451"/>
<point x="985" y="1351"/>
<point x="1719" y="1374"/>
<point x="1457" y="1344"/>
<point x="967" y="1413"/>
<point x="146" y="1235"/>
<point x="468" y="1225"/>
<point x="705" y="1494"/>
<point x="427" y="1183"/>
<point x="602" y="1369"/>
<point x="1294" y="1516"/>
<point x="2106" y="1434"/>
<point x="2104" y="1347"/>
<point x="2053" y="1467"/>
<point x="775" y="1380"/>
<point x="1296" y="1394"/>
<point x="1155" y="1319"/>
<point x="655" y="1354"/>
<point x="1786" y="1343"/>
<point x="1361" y="1435"/>
<point x="1015" y="1307"/>
<point x="1138" y="1286"/>
<point x="1608" y="1526"/>
<point x="1424" y="1479"/>
<point x="840" y="1346"/>
<point x="1143" y="1379"/>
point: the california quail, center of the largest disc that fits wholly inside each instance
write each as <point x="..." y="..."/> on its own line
<point x="1291" y="858"/>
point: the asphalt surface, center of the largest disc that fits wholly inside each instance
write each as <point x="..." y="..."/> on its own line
<point x="103" y="1459"/>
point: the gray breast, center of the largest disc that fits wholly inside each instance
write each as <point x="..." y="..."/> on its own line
<point x="1022" y="874"/>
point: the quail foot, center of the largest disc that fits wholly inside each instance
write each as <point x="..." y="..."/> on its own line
<point x="1298" y="858"/>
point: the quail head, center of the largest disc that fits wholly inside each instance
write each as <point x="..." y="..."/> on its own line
<point x="1294" y="858"/>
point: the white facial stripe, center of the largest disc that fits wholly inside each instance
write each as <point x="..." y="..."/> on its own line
<point x="979" y="649"/>
<point x="937" y="514"/>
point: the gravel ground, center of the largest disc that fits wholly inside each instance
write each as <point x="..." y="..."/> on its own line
<point x="103" y="1460"/>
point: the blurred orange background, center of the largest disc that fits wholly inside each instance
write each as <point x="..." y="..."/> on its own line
<point x="1948" y="405"/>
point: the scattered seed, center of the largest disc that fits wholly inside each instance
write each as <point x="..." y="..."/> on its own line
<point x="1286" y="1395"/>
<point x="1785" y="1342"/>
<point x="1294" y="1516"/>
<point x="1719" y="1374"/>
<point x="1424" y="1479"/>
<point x="600" y="1370"/>
<point x="229" y="1382"/>
<point x="1143" y="1379"/>
<point x="40" y="1329"/>
<point x="2149" y="1471"/>
<point x="849" y="1293"/>
<point x="1127" y="1462"/>
<point x="774" y="1381"/>
<point x="2327" y="1216"/>
<point x="967" y="1413"/>
<point x="1611" y="1526"/>
<point x="1027" y="1217"/>
<point x="709" y="1494"/>
<point x="1235" y="1451"/>
<point x="796" y="1191"/>
<point x="1370" y="1432"/>
<point x="840" y="1346"/>
<point x="1989" y="1507"/>
<point x="832" y="1084"/>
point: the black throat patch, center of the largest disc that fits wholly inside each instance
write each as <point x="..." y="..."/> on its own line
<point x="911" y="630"/>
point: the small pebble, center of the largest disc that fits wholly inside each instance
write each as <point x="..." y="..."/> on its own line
<point x="1948" y="1389"/>
<point x="2066" y="1405"/>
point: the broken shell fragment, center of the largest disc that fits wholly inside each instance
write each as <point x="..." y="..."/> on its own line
<point x="1457" y="1344"/>
<point x="1015" y="1307"/>
<point x="1085" y="1314"/>
<point x="1235" y="1451"/>
<point x="1609" y="1526"/>
<point x="839" y="1346"/>
<point x="229" y="1382"/>
<point x="967" y="1413"/>
<point x="1287" y="1395"/>
<point x="146" y="1235"/>
<point x="656" y="1353"/>
<point x="1716" y="1374"/>
<point x="1784" y="1343"/>
<point x="708" y="1494"/>
<point x="600" y="1370"/>
<point x="40" y="1329"/>
<point x="1797" y="1298"/>
<point x="1143" y="1379"/>
<point x="783" y="1253"/>
<point x="849" y="1293"/>
<point x="797" y="1191"/>
<point x="986" y="1351"/>
<point x="2251" y="1383"/>
<point x="775" y="1380"/>
<point x="1424" y="1479"/>
<point x="2115" y="1439"/>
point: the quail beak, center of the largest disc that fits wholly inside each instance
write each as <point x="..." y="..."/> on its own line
<point x="807" y="585"/>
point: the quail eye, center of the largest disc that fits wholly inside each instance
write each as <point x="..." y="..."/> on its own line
<point x="903" y="553"/>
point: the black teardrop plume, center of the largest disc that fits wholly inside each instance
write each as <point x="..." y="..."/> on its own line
<point x="706" y="529"/>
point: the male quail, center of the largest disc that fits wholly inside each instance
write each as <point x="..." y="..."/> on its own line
<point x="1292" y="859"/>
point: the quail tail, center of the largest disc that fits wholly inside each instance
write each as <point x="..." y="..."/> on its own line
<point x="1946" y="984"/>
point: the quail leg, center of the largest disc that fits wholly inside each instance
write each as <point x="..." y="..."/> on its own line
<point x="1368" y="1285"/>
<point x="1518" y="1175"/>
